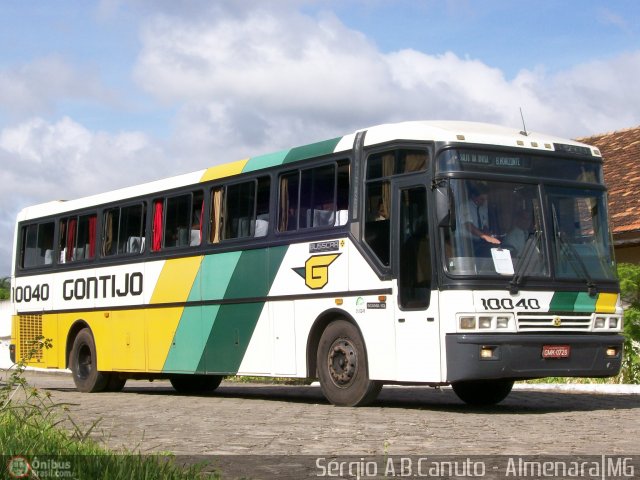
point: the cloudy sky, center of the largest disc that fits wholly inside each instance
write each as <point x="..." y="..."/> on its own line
<point x="96" y="95"/>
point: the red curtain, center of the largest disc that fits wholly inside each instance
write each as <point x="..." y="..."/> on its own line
<point x="92" y="236"/>
<point x="157" y="226"/>
<point x="71" y="238"/>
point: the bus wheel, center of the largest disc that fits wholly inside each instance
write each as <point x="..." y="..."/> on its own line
<point x="82" y="361"/>
<point x="482" y="392"/>
<point x="115" y="383"/>
<point x="342" y="366"/>
<point x="195" y="383"/>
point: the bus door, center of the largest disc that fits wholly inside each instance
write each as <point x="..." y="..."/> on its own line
<point x="416" y="303"/>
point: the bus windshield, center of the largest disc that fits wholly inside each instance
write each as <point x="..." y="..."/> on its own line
<point x="580" y="241"/>
<point x="497" y="229"/>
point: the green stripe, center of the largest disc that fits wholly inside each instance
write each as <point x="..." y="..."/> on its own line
<point x="265" y="161"/>
<point x="195" y="323"/>
<point x="563" y="301"/>
<point x="585" y="303"/>
<point x="312" y="150"/>
<point x="214" y="338"/>
<point x="317" y="149"/>
<point x="234" y="324"/>
<point x="189" y="340"/>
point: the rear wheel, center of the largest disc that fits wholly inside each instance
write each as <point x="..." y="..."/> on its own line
<point x="342" y="366"/>
<point x="482" y="392"/>
<point x="195" y="383"/>
<point x="115" y="383"/>
<point x="83" y="364"/>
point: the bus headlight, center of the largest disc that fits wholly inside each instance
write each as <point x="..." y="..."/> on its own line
<point x="607" y="322"/>
<point x="502" y="322"/>
<point x="499" y="322"/>
<point x="485" y="323"/>
<point x="467" y="323"/>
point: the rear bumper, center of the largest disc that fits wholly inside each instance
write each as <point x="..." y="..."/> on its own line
<point x="519" y="356"/>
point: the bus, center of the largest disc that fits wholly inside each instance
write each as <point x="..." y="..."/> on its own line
<point x="416" y="253"/>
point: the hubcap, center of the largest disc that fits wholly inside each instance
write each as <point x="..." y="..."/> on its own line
<point x="343" y="362"/>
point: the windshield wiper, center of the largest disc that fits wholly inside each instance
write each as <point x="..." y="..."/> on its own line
<point x="523" y="264"/>
<point x="574" y="256"/>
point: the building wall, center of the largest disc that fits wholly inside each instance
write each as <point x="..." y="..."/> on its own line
<point x="630" y="254"/>
<point x="5" y="318"/>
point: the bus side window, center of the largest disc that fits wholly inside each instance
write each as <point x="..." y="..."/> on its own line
<point x="240" y="209"/>
<point x="123" y="230"/>
<point x="177" y="222"/>
<point x="288" y="202"/>
<point x="314" y="197"/>
<point x="197" y="210"/>
<point x="261" y="227"/>
<point x="77" y="239"/>
<point x="182" y="220"/>
<point x="317" y="197"/>
<point x="377" y="233"/>
<point x="37" y="245"/>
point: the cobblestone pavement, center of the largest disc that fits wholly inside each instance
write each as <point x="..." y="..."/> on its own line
<point x="297" y="420"/>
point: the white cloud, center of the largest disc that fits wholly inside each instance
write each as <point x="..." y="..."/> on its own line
<point x="238" y="78"/>
<point x="43" y="161"/>
<point x="37" y="87"/>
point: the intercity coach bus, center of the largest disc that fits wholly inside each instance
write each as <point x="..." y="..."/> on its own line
<point x="427" y="253"/>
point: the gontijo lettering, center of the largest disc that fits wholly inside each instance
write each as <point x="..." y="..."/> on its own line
<point x="104" y="286"/>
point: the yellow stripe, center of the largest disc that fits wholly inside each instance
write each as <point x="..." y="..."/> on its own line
<point x="176" y="280"/>
<point x="607" y="303"/>
<point x="174" y="285"/>
<point x="225" y="170"/>
<point x="161" y="328"/>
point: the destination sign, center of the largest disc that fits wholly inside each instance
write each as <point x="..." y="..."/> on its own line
<point x="482" y="159"/>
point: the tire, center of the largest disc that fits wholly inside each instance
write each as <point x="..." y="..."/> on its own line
<point x="195" y="383"/>
<point x="83" y="364"/>
<point x="482" y="392"/>
<point x="115" y="383"/>
<point x="342" y="366"/>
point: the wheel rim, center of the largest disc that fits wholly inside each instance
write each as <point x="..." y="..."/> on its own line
<point x="342" y="362"/>
<point x="85" y="362"/>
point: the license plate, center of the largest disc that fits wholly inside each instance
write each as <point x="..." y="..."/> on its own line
<point x="556" y="351"/>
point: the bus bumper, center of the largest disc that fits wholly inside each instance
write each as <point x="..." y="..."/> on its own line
<point x="520" y="356"/>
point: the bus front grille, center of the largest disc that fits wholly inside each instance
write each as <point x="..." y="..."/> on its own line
<point x="30" y="335"/>
<point x="547" y="322"/>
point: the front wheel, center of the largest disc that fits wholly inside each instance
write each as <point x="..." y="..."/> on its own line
<point x="83" y="364"/>
<point x="342" y="366"/>
<point x="482" y="392"/>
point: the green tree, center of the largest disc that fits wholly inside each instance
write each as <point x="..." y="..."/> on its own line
<point x="629" y="275"/>
<point x="5" y="288"/>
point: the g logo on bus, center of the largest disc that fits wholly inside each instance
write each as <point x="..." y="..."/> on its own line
<point x="557" y="321"/>
<point x="316" y="270"/>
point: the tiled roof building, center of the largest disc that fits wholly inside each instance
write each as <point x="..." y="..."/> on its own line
<point x="621" y="153"/>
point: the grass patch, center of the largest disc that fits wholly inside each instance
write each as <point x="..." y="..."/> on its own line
<point x="34" y="443"/>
